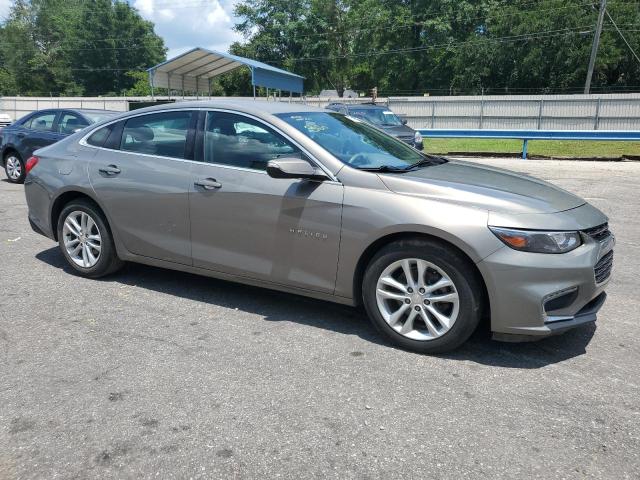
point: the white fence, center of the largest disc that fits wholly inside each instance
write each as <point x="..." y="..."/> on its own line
<point x="541" y="112"/>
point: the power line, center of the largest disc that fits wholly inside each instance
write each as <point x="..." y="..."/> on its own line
<point x="424" y="22"/>
<point x="623" y="37"/>
<point x="505" y="39"/>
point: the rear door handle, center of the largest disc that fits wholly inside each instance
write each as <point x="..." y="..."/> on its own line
<point x="21" y="135"/>
<point x="110" y="170"/>
<point x="208" y="183"/>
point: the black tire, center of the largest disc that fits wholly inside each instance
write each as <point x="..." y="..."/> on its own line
<point x="459" y="270"/>
<point x="108" y="261"/>
<point x="23" y="172"/>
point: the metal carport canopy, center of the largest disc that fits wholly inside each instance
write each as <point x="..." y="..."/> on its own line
<point x="191" y="72"/>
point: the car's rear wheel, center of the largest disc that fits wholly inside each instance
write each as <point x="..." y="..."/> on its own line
<point x="14" y="168"/>
<point x="422" y="295"/>
<point x="86" y="241"/>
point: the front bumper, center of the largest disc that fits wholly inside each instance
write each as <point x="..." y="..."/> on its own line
<point x="534" y="295"/>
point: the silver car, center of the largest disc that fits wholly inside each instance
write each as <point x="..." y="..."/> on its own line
<point x="317" y="203"/>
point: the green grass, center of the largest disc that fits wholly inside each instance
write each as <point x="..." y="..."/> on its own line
<point x="547" y="148"/>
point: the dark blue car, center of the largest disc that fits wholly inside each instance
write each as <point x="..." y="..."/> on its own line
<point x="381" y="117"/>
<point x="19" y="140"/>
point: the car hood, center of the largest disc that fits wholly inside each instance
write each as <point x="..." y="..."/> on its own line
<point x="485" y="187"/>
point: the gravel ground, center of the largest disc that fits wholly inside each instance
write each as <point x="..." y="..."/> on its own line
<point x="152" y="373"/>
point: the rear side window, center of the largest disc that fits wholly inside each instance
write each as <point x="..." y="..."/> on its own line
<point x="163" y="134"/>
<point x="42" y="122"/>
<point x="99" y="137"/>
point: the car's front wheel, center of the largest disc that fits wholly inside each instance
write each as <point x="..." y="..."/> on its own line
<point x="86" y="241"/>
<point x="14" y="168"/>
<point x="422" y="295"/>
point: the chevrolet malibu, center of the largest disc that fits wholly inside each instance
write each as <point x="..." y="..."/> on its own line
<point x="317" y="203"/>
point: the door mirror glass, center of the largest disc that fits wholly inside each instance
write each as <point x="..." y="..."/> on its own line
<point x="294" y="168"/>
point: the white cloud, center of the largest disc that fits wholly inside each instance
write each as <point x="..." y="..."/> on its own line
<point x="5" y="6"/>
<point x="183" y="25"/>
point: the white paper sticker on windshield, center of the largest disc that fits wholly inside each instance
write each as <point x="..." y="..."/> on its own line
<point x="388" y="112"/>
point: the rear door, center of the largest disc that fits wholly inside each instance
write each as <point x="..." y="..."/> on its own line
<point x="243" y="222"/>
<point x="38" y="132"/>
<point x="142" y="176"/>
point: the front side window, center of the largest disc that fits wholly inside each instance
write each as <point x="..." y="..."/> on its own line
<point x="42" y="122"/>
<point x="70" y="123"/>
<point x="163" y="134"/>
<point x="232" y="139"/>
<point x="353" y="141"/>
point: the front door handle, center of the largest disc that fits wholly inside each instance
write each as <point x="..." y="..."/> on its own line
<point x="110" y="170"/>
<point x="22" y="135"/>
<point x="208" y="183"/>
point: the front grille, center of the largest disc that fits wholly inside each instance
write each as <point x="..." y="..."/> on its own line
<point x="408" y="140"/>
<point x="602" y="270"/>
<point x="598" y="233"/>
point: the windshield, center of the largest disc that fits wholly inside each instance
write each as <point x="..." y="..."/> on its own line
<point x="355" y="142"/>
<point x="377" y="116"/>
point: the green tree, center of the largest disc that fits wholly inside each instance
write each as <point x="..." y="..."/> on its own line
<point x="72" y="47"/>
<point x="442" y="46"/>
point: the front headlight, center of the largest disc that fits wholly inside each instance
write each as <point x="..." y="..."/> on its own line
<point x="538" y="241"/>
<point x="417" y="138"/>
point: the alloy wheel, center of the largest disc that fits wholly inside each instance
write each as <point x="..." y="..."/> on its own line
<point x="13" y="167"/>
<point x="82" y="239"/>
<point x="417" y="299"/>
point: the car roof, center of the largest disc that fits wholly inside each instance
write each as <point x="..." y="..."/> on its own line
<point x="364" y="106"/>
<point x="89" y="110"/>
<point x="368" y="106"/>
<point x="76" y="110"/>
<point x="247" y="106"/>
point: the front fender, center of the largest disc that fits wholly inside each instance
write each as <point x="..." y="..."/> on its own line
<point x="371" y="216"/>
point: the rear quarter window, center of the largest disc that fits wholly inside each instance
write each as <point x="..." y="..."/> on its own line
<point x="99" y="137"/>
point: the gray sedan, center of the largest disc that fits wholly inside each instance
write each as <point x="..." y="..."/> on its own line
<point x="316" y="203"/>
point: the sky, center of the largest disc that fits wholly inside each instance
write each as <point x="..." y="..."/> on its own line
<point x="183" y="24"/>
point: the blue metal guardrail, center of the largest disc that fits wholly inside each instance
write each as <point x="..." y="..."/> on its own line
<point x="526" y="135"/>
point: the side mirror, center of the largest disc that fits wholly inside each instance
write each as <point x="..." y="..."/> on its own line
<point x="294" y="168"/>
<point x="404" y="121"/>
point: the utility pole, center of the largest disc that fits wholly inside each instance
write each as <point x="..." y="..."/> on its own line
<point x="594" y="47"/>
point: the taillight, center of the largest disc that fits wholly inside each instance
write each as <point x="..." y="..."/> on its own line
<point x="32" y="162"/>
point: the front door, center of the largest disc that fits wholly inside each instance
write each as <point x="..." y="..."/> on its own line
<point x="246" y="223"/>
<point x="143" y="181"/>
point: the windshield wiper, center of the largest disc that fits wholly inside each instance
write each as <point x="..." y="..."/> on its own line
<point x="430" y="161"/>
<point x="384" y="169"/>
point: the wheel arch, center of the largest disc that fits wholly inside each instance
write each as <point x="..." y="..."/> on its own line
<point x="9" y="149"/>
<point x="63" y="199"/>
<point x="378" y="244"/>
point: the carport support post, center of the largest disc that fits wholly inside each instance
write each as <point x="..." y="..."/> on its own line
<point x="524" y="148"/>
<point x="151" y="81"/>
